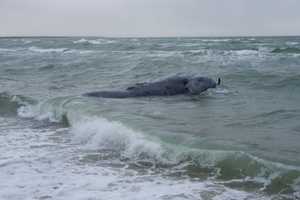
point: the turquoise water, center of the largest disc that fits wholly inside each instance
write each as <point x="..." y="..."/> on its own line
<point x="240" y="140"/>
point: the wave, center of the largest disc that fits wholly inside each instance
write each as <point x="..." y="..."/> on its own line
<point x="100" y="133"/>
<point x="95" y="41"/>
<point x="212" y="52"/>
<point x="26" y="41"/>
<point x="117" y="140"/>
<point x="292" y="43"/>
<point x="9" y="104"/>
<point x="246" y="52"/>
<point x="286" y="50"/>
<point x="48" y="50"/>
<point x="82" y="40"/>
<point x="217" y="40"/>
<point x="7" y="50"/>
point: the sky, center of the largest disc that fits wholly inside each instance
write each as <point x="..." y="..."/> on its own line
<point x="146" y="18"/>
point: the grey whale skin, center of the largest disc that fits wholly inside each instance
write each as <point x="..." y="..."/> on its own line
<point x="168" y="87"/>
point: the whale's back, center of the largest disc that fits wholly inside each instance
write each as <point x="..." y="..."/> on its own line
<point x="168" y="87"/>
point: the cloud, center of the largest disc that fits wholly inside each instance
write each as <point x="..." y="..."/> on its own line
<point x="149" y="17"/>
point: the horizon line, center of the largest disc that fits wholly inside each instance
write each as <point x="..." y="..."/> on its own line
<point x="99" y="36"/>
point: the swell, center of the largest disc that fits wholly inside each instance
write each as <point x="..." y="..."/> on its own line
<point x="287" y="50"/>
<point x="115" y="140"/>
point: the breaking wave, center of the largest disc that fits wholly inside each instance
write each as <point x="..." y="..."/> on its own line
<point x="48" y="50"/>
<point x="94" y="41"/>
<point x="94" y="132"/>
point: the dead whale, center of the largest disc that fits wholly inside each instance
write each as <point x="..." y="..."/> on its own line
<point x="167" y="87"/>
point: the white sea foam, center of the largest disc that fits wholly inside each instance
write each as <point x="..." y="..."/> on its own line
<point x="57" y="180"/>
<point x="82" y="40"/>
<point x="246" y="52"/>
<point x="48" y="50"/>
<point x="37" y="112"/>
<point x="34" y="167"/>
<point x="99" y="133"/>
<point x="292" y="43"/>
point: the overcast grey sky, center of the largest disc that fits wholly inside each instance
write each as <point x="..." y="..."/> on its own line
<point x="149" y="17"/>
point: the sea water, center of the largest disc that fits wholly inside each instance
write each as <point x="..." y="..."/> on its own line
<point x="238" y="141"/>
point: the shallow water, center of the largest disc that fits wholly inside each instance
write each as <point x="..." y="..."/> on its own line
<point x="238" y="141"/>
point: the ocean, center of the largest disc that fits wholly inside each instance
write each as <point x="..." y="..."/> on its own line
<point x="238" y="141"/>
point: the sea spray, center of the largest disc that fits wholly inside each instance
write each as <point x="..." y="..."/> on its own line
<point x="99" y="133"/>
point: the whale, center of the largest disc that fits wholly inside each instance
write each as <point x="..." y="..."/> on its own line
<point x="168" y="87"/>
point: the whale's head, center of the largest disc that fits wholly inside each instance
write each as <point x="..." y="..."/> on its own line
<point x="197" y="85"/>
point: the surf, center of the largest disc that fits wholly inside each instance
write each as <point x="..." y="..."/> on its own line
<point x="120" y="141"/>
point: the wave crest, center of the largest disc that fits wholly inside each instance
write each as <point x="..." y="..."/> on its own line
<point x="100" y="133"/>
<point x="286" y="50"/>
<point x="48" y="50"/>
<point x="94" y="41"/>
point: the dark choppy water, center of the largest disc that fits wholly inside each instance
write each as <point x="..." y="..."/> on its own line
<point x="239" y="141"/>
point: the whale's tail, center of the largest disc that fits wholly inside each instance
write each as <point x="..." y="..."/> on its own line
<point x="219" y="81"/>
